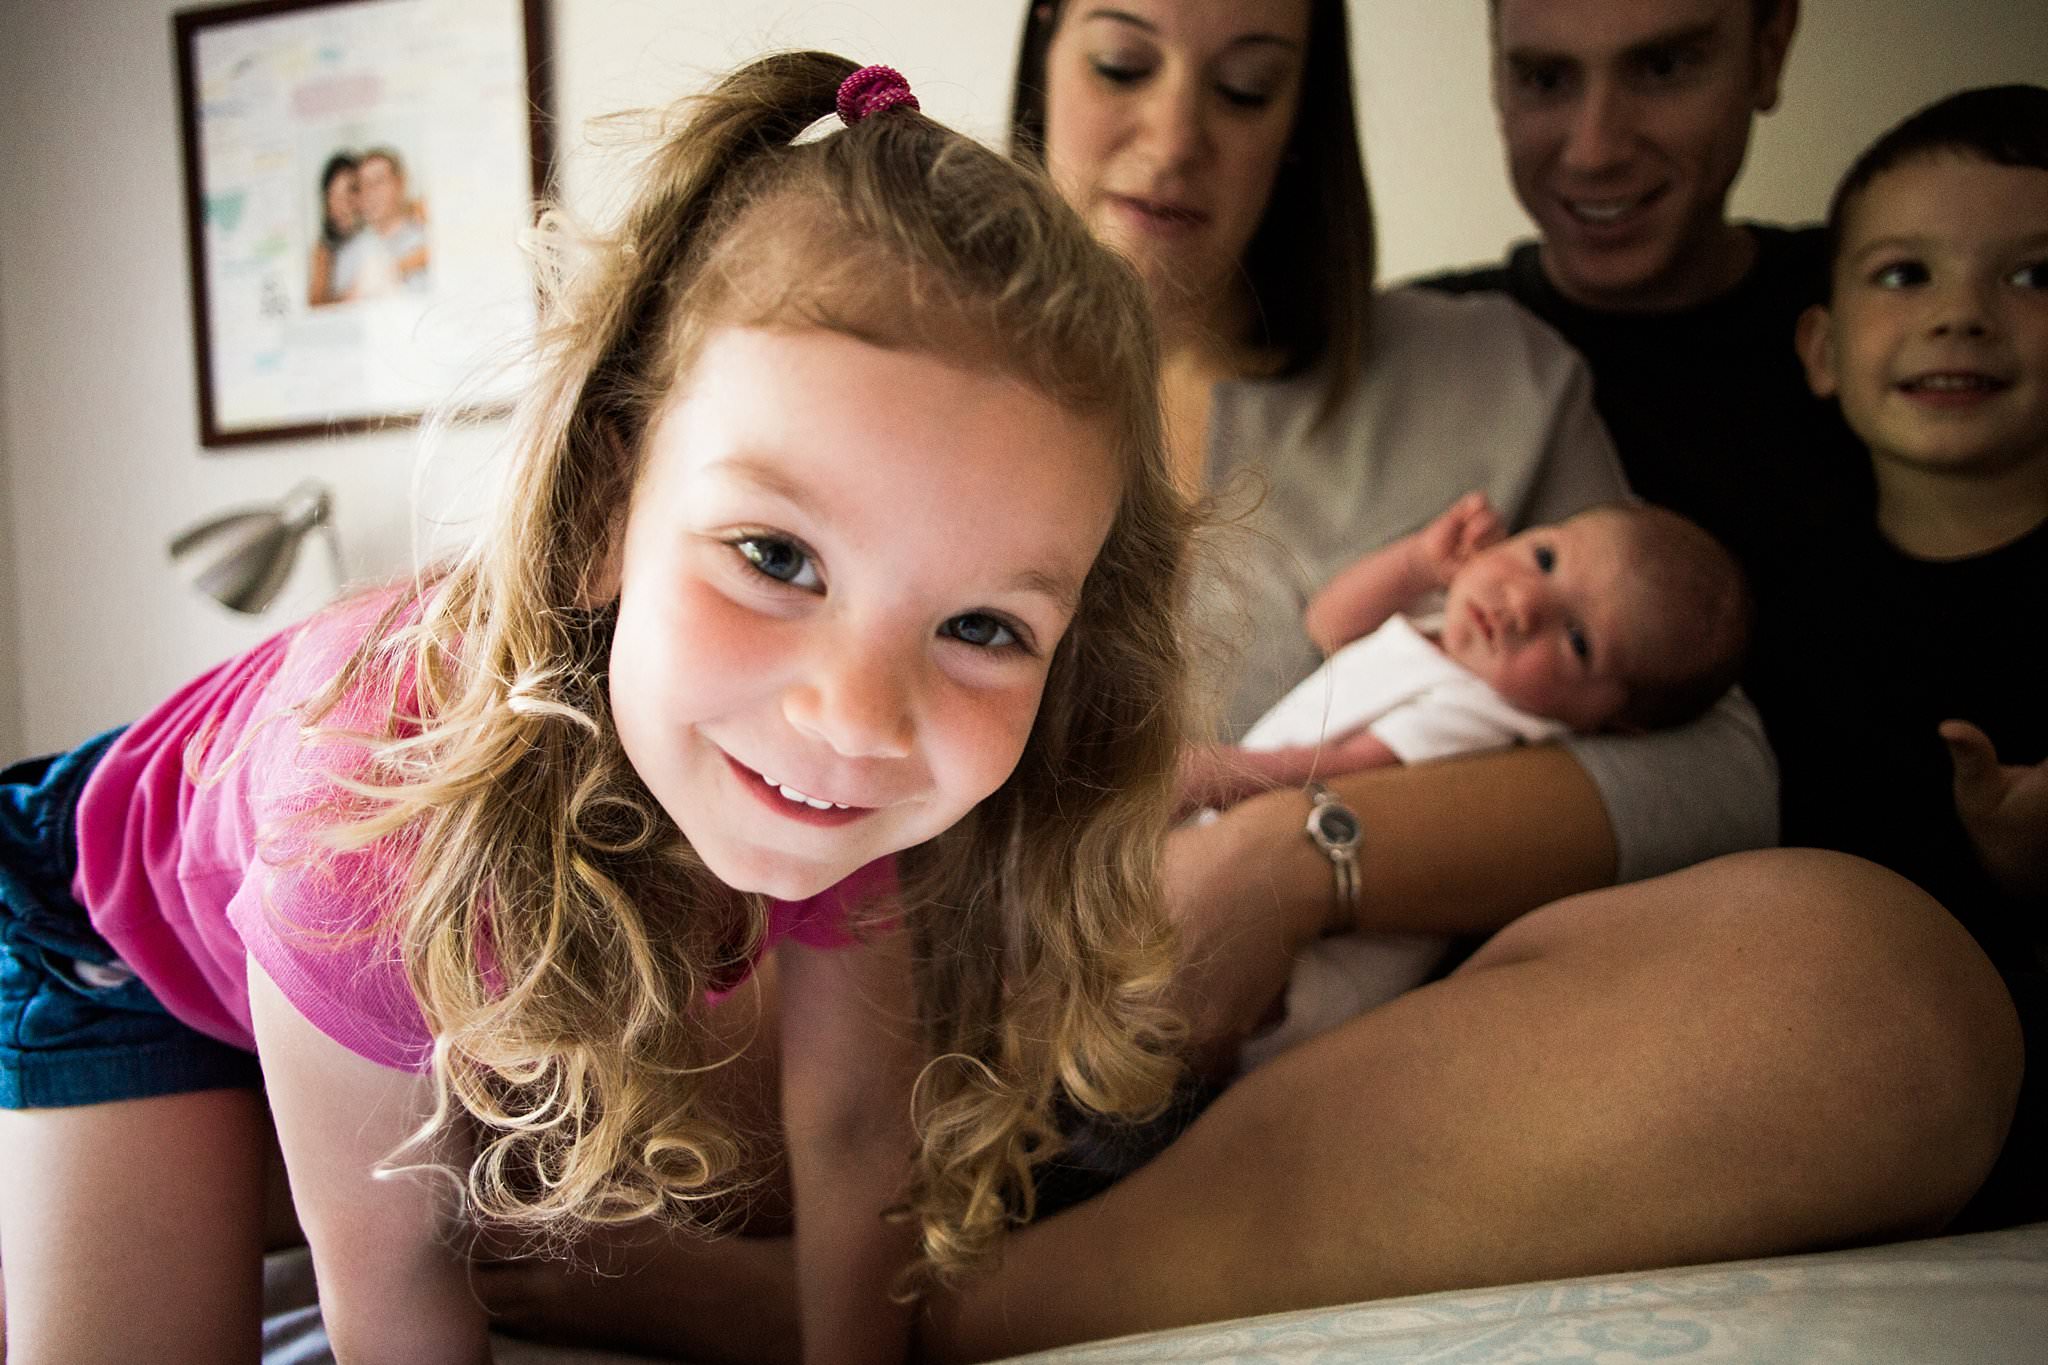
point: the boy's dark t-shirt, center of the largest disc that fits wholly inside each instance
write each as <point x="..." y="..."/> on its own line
<point x="1862" y="665"/>
<point x="1891" y="647"/>
<point x="1709" y="407"/>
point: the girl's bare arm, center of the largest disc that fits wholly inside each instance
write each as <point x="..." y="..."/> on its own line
<point x="850" y="1057"/>
<point x="392" y="1287"/>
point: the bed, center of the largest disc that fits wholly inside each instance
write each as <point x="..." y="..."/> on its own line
<point x="1981" y="1299"/>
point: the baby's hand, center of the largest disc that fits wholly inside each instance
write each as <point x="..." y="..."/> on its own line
<point x="2004" y="809"/>
<point x="1218" y="776"/>
<point x="1466" y="527"/>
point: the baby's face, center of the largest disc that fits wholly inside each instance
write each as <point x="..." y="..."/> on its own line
<point x="1936" y="341"/>
<point x="1550" y="619"/>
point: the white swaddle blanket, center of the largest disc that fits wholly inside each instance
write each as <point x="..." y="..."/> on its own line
<point x="1422" y="705"/>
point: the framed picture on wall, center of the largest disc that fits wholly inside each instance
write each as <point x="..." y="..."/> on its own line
<point x="358" y="176"/>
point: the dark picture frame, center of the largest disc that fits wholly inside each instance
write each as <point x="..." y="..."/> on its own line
<point x="358" y="177"/>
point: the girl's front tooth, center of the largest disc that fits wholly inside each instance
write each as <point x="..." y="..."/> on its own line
<point x="792" y="794"/>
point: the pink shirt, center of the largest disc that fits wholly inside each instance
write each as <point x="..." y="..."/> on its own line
<point x="190" y="877"/>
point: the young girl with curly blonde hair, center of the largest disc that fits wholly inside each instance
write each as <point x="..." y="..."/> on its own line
<point x="827" y="621"/>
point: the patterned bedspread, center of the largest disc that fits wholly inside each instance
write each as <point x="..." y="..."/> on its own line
<point x="1981" y="1299"/>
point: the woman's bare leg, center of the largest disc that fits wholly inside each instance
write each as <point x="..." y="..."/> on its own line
<point x="1772" y="1052"/>
<point x="134" y="1231"/>
<point x="1766" y="1053"/>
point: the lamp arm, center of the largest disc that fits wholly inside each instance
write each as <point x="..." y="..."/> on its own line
<point x="333" y="539"/>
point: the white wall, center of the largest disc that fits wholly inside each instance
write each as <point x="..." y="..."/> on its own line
<point x="10" y="676"/>
<point x="99" y="457"/>
<point x="1439" y="181"/>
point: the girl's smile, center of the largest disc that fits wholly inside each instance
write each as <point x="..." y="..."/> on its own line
<point x="792" y="804"/>
<point x="843" y="575"/>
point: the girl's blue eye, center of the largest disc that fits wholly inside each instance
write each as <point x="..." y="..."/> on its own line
<point x="1581" y="647"/>
<point x="1899" y="275"/>
<point x="2032" y="275"/>
<point x="780" y="559"/>
<point x="1546" y="558"/>
<point x="981" y="630"/>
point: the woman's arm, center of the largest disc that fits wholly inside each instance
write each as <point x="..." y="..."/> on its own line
<point x="850" y="1058"/>
<point x="1681" y="796"/>
<point x="1460" y="846"/>
<point x="1457" y="846"/>
<point x="392" y="1288"/>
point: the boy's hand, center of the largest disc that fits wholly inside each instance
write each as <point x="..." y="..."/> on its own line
<point x="1466" y="527"/>
<point x="2004" y="809"/>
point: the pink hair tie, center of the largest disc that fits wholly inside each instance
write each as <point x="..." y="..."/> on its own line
<point x="873" y="90"/>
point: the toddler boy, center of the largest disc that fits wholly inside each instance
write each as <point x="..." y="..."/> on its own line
<point x="1888" y="678"/>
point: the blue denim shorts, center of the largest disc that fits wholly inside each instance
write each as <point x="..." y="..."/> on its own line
<point x="76" y="1025"/>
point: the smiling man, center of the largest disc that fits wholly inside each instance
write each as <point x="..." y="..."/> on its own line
<point x="1626" y="123"/>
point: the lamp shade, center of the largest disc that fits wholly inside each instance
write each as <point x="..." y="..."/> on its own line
<point x="242" y="559"/>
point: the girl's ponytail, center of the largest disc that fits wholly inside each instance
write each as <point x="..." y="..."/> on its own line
<point x="695" y="182"/>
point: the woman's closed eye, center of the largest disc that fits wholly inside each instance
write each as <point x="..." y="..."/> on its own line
<point x="781" y="559"/>
<point x="1250" y="82"/>
<point x="1243" y="97"/>
<point x="1120" y="70"/>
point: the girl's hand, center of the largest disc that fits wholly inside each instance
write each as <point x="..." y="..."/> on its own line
<point x="1466" y="527"/>
<point x="2004" y="809"/>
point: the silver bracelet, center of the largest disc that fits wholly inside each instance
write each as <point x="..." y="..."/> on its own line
<point x="1334" y="828"/>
